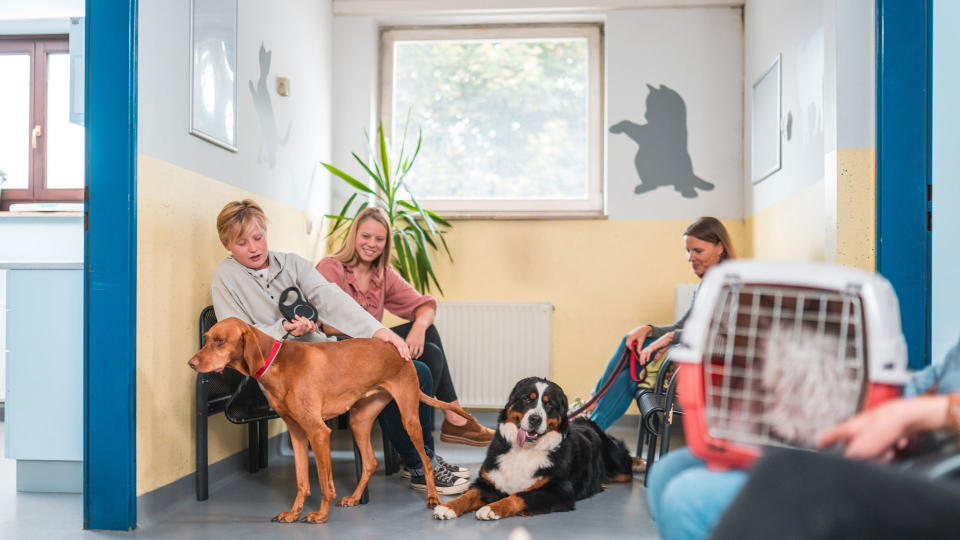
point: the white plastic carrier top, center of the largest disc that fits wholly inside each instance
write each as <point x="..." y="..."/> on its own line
<point x="885" y="347"/>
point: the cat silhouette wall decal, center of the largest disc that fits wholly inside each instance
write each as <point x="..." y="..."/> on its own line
<point x="662" y="158"/>
<point x="270" y="139"/>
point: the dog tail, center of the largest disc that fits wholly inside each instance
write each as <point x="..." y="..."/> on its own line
<point x="446" y="406"/>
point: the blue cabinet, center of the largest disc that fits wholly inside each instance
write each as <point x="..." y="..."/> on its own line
<point x="44" y="363"/>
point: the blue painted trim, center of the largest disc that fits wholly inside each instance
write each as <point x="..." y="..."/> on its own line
<point x="109" y="473"/>
<point x="904" y="65"/>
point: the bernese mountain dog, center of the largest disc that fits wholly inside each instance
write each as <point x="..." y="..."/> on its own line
<point x="538" y="461"/>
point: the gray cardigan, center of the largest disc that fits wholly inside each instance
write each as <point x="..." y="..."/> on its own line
<point x="237" y="292"/>
<point x="677" y="327"/>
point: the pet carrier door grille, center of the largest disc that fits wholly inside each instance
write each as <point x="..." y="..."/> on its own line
<point x="782" y="362"/>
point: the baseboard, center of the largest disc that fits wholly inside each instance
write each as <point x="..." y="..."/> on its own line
<point x="155" y="503"/>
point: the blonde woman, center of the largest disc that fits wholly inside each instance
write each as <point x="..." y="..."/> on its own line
<point x="361" y="267"/>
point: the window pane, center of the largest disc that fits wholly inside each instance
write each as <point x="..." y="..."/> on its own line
<point x="15" y="120"/>
<point x="501" y="119"/>
<point x="64" y="139"/>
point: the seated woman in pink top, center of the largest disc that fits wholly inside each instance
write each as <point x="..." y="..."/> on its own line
<point x="361" y="267"/>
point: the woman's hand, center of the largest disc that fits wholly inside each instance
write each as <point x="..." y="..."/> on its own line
<point x="650" y="351"/>
<point x="638" y="335"/>
<point x="878" y="432"/>
<point x="415" y="339"/>
<point x="392" y="338"/>
<point x="299" y="326"/>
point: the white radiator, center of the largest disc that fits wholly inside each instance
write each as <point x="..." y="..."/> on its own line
<point x="492" y="345"/>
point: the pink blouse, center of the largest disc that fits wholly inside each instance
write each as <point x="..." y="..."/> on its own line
<point x="392" y="293"/>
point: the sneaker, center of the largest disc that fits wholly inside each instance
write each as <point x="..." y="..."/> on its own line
<point x="455" y="470"/>
<point x="445" y="481"/>
<point x="471" y="433"/>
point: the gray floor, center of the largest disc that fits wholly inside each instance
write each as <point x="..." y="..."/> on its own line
<point x="241" y="505"/>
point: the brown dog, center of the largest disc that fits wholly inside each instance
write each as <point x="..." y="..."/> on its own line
<point x="309" y="382"/>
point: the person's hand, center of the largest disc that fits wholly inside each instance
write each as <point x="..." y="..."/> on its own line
<point x="638" y="335"/>
<point x="650" y="351"/>
<point x="415" y="340"/>
<point x="880" y="431"/>
<point x="299" y="326"/>
<point x="392" y="338"/>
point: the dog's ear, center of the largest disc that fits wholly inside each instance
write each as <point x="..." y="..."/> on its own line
<point x="564" y="420"/>
<point x="252" y="355"/>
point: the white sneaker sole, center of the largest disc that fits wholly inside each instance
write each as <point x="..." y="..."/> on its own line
<point x="459" y="474"/>
<point x="444" y="490"/>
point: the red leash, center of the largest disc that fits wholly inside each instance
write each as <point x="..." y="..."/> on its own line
<point x="629" y="355"/>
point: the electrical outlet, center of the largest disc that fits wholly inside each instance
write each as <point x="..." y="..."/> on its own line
<point x="283" y="86"/>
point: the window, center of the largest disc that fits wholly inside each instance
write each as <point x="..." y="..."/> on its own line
<point x="511" y="117"/>
<point x="41" y="152"/>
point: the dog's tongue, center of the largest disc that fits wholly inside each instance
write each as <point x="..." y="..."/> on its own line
<point x="521" y="437"/>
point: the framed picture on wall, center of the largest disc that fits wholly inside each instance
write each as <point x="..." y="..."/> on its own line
<point x="213" y="71"/>
<point x="765" y="142"/>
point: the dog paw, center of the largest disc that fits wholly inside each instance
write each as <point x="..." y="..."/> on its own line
<point x="316" y="517"/>
<point x="487" y="514"/>
<point x="433" y="501"/>
<point x="286" y="517"/>
<point x="348" y="501"/>
<point x="443" y="512"/>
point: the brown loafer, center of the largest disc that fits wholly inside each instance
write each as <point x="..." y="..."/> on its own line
<point x="471" y="433"/>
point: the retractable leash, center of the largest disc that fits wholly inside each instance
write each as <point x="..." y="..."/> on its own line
<point x="629" y="355"/>
<point x="296" y="307"/>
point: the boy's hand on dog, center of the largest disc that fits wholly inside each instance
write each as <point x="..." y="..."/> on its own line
<point x="299" y="326"/>
<point x="392" y="338"/>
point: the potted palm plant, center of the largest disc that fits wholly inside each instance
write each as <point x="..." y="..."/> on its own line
<point x="416" y="230"/>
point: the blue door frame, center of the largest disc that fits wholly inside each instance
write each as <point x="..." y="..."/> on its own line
<point x="904" y="67"/>
<point x="110" y="267"/>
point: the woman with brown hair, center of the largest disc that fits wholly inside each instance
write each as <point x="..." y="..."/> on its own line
<point x="707" y="243"/>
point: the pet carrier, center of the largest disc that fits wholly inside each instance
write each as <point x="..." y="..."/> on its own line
<point x="774" y="354"/>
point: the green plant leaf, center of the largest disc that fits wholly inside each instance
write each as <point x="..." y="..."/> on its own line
<point x="342" y="216"/>
<point x="406" y="251"/>
<point x="384" y="158"/>
<point x="347" y="178"/>
<point x="376" y="178"/>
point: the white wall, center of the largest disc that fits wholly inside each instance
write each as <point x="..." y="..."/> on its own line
<point x="298" y="34"/>
<point x="699" y="54"/>
<point x="945" y="295"/>
<point x="696" y="52"/>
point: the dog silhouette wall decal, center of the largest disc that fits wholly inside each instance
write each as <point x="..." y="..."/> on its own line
<point x="270" y="139"/>
<point x="662" y="157"/>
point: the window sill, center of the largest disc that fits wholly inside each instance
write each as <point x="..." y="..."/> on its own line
<point x="6" y="214"/>
<point x="520" y="215"/>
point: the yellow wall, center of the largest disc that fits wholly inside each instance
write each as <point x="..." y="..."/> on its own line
<point x="857" y="207"/>
<point x="177" y="250"/>
<point x="825" y="221"/>
<point x="603" y="277"/>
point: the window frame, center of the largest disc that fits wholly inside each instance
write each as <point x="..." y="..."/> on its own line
<point x="37" y="47"/>
<point x="591" y="207"/>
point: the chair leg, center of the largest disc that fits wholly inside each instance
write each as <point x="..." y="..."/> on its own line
<point x="201" y="479"/>
<point x="253" y="455"/>
<point x="358" y="470"/>
<point x="263" y="446"/>
<point x="390" y="464"/>
<point x="651" y="447"/>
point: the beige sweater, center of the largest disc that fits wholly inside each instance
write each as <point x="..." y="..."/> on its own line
<point x="237" y="292"/>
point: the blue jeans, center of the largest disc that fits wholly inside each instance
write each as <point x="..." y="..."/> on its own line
<point x="392" y="424"/>
<point x="686" y="499"/>
<point x="611" y="406"/>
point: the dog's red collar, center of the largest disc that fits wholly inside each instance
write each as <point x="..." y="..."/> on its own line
<point x="273" y="354"/>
